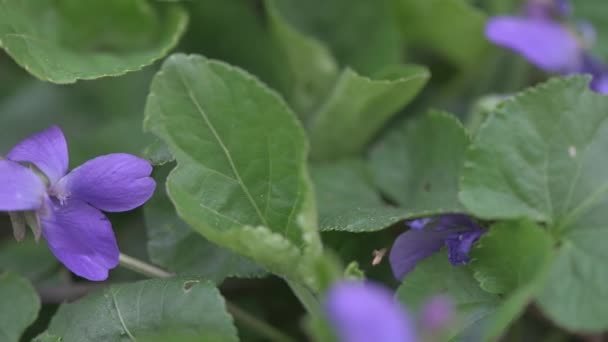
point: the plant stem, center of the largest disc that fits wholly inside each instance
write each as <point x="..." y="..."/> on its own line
<point x="306" y="297"/>
<point x="143" y="268"/>
<point x="264" y="329"/>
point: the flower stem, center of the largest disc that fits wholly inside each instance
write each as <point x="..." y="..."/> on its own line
<point x="261" y="327"/>
<point x="143" y="268"/>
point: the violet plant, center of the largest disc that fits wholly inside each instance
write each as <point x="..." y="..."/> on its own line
<point x="303" y="173"/>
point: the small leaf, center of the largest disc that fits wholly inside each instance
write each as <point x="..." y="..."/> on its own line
<point x="143" y="309"/>
<point x="20" y="305"/>
<point x="436" y="276"/>
<point x="358" y="107"/>
<point x="175" y="246"/>
<point x="418" y="164"/>
<point x="265" y="44"/>
<point x="512" y="260"/>
<point x="313" y="68"/>
<point x="541" y="156"/>
<point x="361" y="34"/>
<point x="67" y="40"/>
<point x="241" y="177"/>
<point x="459" y="22"/>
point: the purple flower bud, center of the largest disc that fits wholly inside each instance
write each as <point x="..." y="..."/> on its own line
<point x="364" y="312"/>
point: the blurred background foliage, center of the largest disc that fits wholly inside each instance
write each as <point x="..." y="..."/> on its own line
<point x="299" y="48"/>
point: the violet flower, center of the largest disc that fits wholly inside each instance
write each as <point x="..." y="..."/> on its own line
<point x="363" y="312"/>
<point x="66" y="206"/>
<point x="542" y="37"/>
<point x="426" y="236"/>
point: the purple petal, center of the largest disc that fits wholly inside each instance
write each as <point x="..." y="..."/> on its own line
<point x="81" y="237"/>
<point x="114" y="182"/>
<point x="419" y="224"/>
<point x="544" y="43"/>
<point x="20" y="188"/>
<point x="459" y="245"/>
<point x="413" y="246"/>
<point x="455" y="222"/>
<point x="364" y="312"/>
<point x="47" y="150"/>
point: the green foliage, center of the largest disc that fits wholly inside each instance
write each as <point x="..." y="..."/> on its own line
<point x="418" y="163"/>
<point x="175" y="246"/>
<point x="539" y="156"/>
<point x="347" y="199"/>
<point x="20" y="305"/>
<point x="41" y="36"/>
<point x="358" y="107"/>
<point x="241" y="178"/>
<point x="511" y="260"/>
<point x="361" y="34"/>
<point x="459" y="36"/>
<point x="436" y="276"/>
<point x="127" y="312"/>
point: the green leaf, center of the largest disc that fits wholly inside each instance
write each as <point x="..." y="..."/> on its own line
<point x="418" y="172"/>
<point x="436" y="276"/>
<point x="95" y="116"/>
<point x="512" y="259"/>
<point x="30" y="259"/>
<point x="541" y="156"/>
<point x="313" y="68"/>
<point x="241" y="178"/>
<point x="347" y="199"/>
<point x="67" y="40"/>
<point x="358" y="107"/>
<point x="145" y="308"/>
<point x="175" y="246"/>
<point x="20" y="305"/>
<point x="263" y="43"/>
<point x="593" y="11"/>
<point x="451" y="28"/>
<point x="361" y="34"/>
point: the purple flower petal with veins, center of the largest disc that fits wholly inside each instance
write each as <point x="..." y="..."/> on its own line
<point x="47" y="150"/>
<point x="364" y="312"/>
<point x="81" y="237"/>
<point x="20" y="188"/>
<point x="113" y="183"/>
<point x="78" y="233"/>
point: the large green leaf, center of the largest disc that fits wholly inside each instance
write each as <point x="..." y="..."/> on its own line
<point x="20" y="305"/>
<point x="31" y="259"/>
<point x="175" y="246"/>
<point x="511" y="260"/>
<point x="66" y="40"/>
<point x="418" y="164"/>
<point x="436" y="276"/>
<point x="241" y="177"/>
<point x="361" y="34"/>
<point x="127" y="312"/>
<point x="347" y="199"/>
<point x="357" y="107"/>
<point x="541" y="156"/>
<point x="452" y="28"/>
